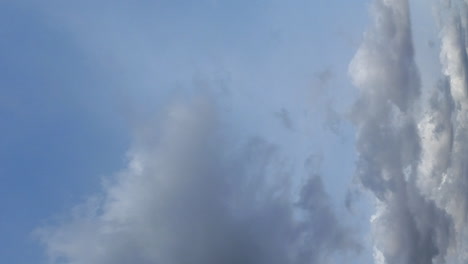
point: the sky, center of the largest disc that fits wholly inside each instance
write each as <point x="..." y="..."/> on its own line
<point x="217" y="131"/>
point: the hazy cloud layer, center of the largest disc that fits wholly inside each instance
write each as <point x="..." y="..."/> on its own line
<point x="189" y="196"/>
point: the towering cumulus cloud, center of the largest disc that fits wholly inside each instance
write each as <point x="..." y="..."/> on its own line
<point x="189" y="196"/>
<point x="408" y="227"/>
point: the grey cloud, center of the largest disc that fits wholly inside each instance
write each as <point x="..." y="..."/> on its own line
<point x="443" y="172"/>
<point x="324" y="77"/>
<point x="332" y="120"/>
<point x="190" y="196"/>
<point x="408" y="227"/>
<point x="321" y="84"/>
<point x="284" y="117"/>
<point x="384" y="64"/>
<point x="351" y="198"/>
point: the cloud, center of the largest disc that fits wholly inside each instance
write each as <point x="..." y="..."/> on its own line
<point x="332" y="120"/>
<point x="284" y="117"/>
<point x="189" y="195"/>
<point x="408" y="227"/>
<point x="443" y="170"/>
<point x="322" y="84"/>
<point x="324" y="77"/>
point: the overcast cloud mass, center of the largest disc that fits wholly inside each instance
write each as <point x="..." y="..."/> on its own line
<point x="254" y="132"/>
